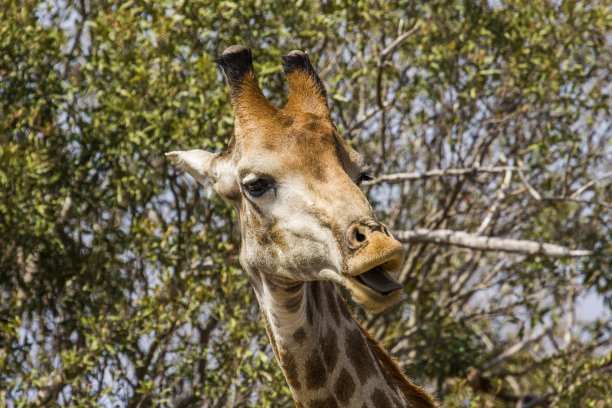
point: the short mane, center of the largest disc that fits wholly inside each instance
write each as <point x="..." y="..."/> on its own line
<point x="416" y="396"/>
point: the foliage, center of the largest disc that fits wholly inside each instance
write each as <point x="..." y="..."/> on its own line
<point x="119" y="280"/>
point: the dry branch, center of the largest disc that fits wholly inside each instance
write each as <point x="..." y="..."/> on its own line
<point x="467" y="240"/>
<point x="399" y="177"/>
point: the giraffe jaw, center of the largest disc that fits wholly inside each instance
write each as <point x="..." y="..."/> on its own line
<point x="379" y="280"/>
<point x="374" y="289"/>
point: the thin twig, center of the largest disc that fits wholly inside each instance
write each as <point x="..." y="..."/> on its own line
<point x="395" y="43"/>
<point x="501" y="195"/>
<point x="582" y="189"/>
<point x="532" y="191"/>
<point x="381" y="64"/>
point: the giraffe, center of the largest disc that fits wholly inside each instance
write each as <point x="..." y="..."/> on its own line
<point x="305" y="227"/>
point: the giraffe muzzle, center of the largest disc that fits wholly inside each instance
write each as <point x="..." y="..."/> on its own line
<point x="372" y="249"/>
<point x="374" y="255"/>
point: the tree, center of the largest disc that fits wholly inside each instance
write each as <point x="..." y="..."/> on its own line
<point x="488" y="129"/>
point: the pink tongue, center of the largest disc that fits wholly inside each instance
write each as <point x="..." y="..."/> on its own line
<point x="380" y="281"/>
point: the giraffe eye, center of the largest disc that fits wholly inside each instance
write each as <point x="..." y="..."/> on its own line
<point x="364" y="177"/>
<point x="257" y="187"/>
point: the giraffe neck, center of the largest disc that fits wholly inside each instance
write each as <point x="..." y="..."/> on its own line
<point x="326" y="358"/>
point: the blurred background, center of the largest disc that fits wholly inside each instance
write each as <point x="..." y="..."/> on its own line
<point x="119" y="279"/>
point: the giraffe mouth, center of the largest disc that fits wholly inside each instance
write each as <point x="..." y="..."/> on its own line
<point x="378" y="280"/>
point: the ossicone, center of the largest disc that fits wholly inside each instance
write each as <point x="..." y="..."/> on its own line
<point x="236" y="61"/>
<point x="306" y="90"/>
<point x="250" y="104"/>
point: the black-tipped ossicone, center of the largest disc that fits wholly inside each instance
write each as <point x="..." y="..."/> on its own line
<point x="249" y="103"/>
<point x="306" y="90"/>
<point x="298" y="60"/>
<point x="236" y="61"/>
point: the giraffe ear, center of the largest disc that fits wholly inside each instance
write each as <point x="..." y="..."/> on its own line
<point x="197" y="162"/>
<point x="208" y="167"/>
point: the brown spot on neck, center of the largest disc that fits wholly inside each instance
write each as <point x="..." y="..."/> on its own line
<point x="290" y="369"/>
<point x="359" y="355"/>
<point x="330" y="349"/>
<point x="344" y="387"/>
<point x="316" y="376"/>
<point x="380" y="400"/>
<point x="329" y="402"/>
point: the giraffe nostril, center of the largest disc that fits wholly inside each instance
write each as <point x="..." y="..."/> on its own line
<point x="357" y="236"/>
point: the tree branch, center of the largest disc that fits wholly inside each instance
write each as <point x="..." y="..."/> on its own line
<point x="395" y="43"/>
<point x="515" y="348"/>
<point x="479" y="242"/>
<point x="399" y="177"/>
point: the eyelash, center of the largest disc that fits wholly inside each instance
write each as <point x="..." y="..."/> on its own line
<point x="258" y="187"/>
<point x="364" y="177"/>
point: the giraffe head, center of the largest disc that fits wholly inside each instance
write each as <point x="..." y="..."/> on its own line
<point x="295" y="185"/>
